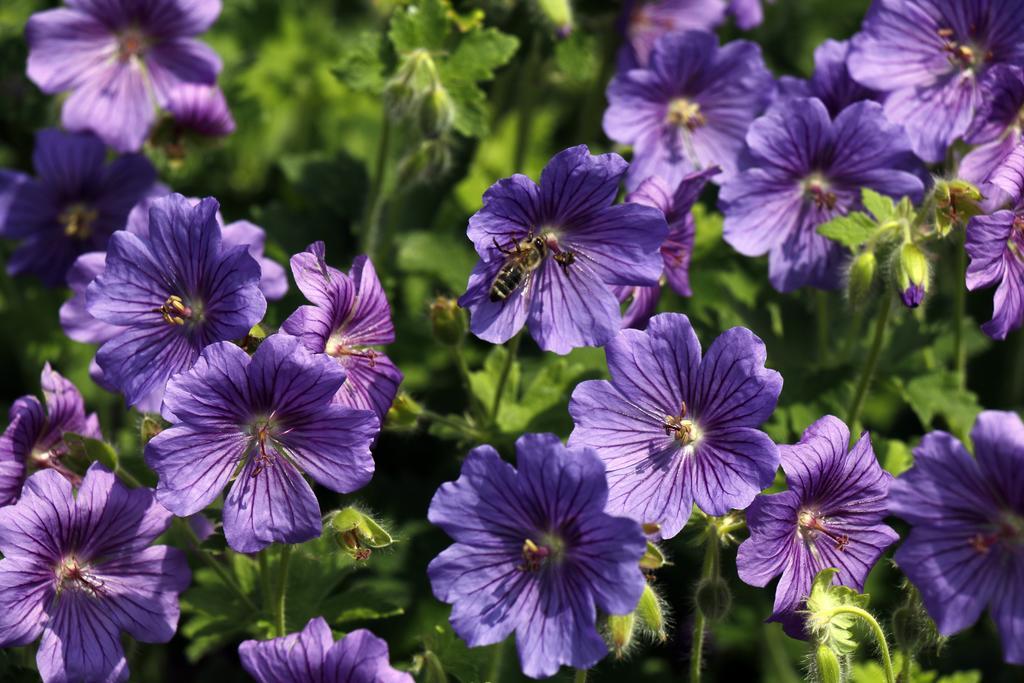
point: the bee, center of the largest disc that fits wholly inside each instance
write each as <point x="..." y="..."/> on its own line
<point x="521" y="260"/>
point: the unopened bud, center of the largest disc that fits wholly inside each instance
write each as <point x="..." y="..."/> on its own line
<point x="413" y="81"/>
<point x="911" y="275"/>
<point x="653" y="558"/>
<point x="448" y="320"/>
<point x="357" y="533"/>
<point x="404" y="412"/>
<point x="559" y="13"/>
<point x="861" y="278"/>
<point x="650" y="612"/>
<point x="433" y="670"/>
<point x="827" y="665"/>
<point x="620" y="632"/>
<point x="431" y="159"/>
<point x="956" y="202"/>
<point x="149" y="427"/>
<point x="437" y="112"/>
<point x="714" y="598"/>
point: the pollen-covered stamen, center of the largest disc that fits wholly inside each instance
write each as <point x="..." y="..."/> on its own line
<point x="1009" y="529"/>
<point x="684" y="113"/>
<point x="71" y="574"/>
<point x="174" y="310"/>
<point x="77" y="220"/>
<point x="811" y="525"/>
<point x="131" y="43"/>
<point x="262" y="434"/>
<point x="1016" y="241"/>
<point x="685" y="431"/>
<point x="816" y="189"/>
<point x="533" y="556"/>
<point x="961" y="54"/>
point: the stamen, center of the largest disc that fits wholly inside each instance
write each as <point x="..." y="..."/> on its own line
<point x="682" y="113"/>
<point x="533" y="556"/>
<point x="816" y="189"/>
<point x="810" y="526"/>
<point x="72" y="575"/>
<point x="685" y="431"/>
<point x="77" y="220"/>
<point x="131" y="43"/>
<point x="174" y="310"/>
<point x="263" y="459"/>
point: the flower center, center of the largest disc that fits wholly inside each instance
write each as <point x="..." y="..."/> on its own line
<point x="338" y="347"/>
<point x="1016" y="241"/>
<point x="682" y="113"/>
<point x="962" y="55"/>
<point x="71" y="574"/>
<point x="175" y="311"/>
<point x="685" y="431"/>
<point x="262" y="431"/>
<point x="810" y="525"/>
<point x="550" y="549"/>
<point x="1009" y="529"/>
<point x="131" y="43"/>
<point x="816" y="189"/>
<point x="77" y="220"/>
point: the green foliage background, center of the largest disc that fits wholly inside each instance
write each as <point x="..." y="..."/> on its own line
<point x="304" y="80"/>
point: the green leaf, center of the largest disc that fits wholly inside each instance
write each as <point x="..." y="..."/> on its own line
<point x="578" y="58"/>
<point x="214" y="616"/>
<point x="851" y="230"/>
<point x="92" y="450"/>
<point x="870" y="671"/>
<point x="471" y="112"/>
<point x="880" y="206"/>
<point x="484" y="382"/>
<point x="895" y="456"/>
<point x="468" y="665"/>
<point x="421" y="25"/>
<point x="447" y="259"/>
<point x="939" y="395"/>
<point x="359" y="66"/>
<point x="479" y="53"/>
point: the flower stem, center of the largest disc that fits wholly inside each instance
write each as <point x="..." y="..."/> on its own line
<point x="959" y="314"/>
<point x="371" y="239"/>
<point x="282" y="590"/>
<point x="580" y="676"/>
<point x="460" y="426"/>
<point x="529" y="84"/>
<point x="498" y="660"/>
<point x="213" y="564"/>
<point x="883" y="645"/>
<point x="710" y="573"/>
<point x="821" y="302"/>
<point x="908" y="660"/>
<point x="475" y="407"/>
<point x="510" y="358"/>
<point x="868" y="372"/>
<point x="129" y="478"/>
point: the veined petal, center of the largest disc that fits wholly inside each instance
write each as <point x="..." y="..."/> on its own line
<point x="81" y="642"/>
<point x="194" y="465"/>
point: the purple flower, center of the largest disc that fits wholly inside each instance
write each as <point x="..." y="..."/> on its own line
<point x="80" y="570"/>
<point x="171" y="295"/>
<point x="349" y="316"/>
<point x="258" y="420"/>
<point x="535" y="553"/>
<point x="965" y="550"/>
<point x="640" y="302"/>
<point x="675" y="429"/>
<point x="689" y="108"/>
<point x="549" y="254"/>
<point x="117" y="58"/>
<point x="645" y="22"/>
<point x="934" y="58"/>
<point x="997" y="131"/>
<point x="995" y="245"/>
<point x="313" y="656"/>
<point x="201" y="109"/>
<point x="806" y="170"/>
<point x="749" y="13"/>
<point x="34" y="438"/>
<point x="1008" y="175"/>
<point x="831" y="81"/>
<point x="73" y="205"/>
<point x="831" y="516"/>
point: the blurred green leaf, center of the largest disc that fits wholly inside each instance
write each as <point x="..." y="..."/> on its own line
<point x="447" y="259"/>
<point x="851" y="230"/>
<point x="360" y="66"/>
<point x="939" y="395"/>
<point x="421" y="25"/>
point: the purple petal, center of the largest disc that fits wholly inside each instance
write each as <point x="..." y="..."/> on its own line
<point x="371" y="383"/>
<point x="174" y="62"/>
<point x="115" y="104"/>
<point x="362" y="656"/>
<point x="26" y="588"/>
<point x="194" y="465"/>
<point x="287" y="379"/>
<point x="620" y="245"/>
<point x="771" y="519"/>
<point x="294" y="657"/>
<point x="67" y="47"/>
<point x="733" y="387"/>
<point x="38" y="527"/>
<point x="81" y="642"/>
<point x="998" y="438"/>
<point x="119" y="520"/>
<point x="333" y="447"/>
<point x="371" y="316"/>
<point x="323" y="285"/>
<point x="494" y="321"/>
<point x="569" y="310"/>
<point x="729" y="466"/>
<point x="510" y="210"/>
<point x="214" y="391"/>
<point x="575" y="185"/>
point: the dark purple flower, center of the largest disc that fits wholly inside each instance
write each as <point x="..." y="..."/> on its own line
<point x="806" y="169"/>
<point x="831" y="516"/>
<point x="675" y="429"/>
<point x="1008" y="175"/>
<point x="535" y="553"/>
<point x="831" y="81"/>
<point x="117" y="58"/>
<point x="258" y="420"/>
<point x="72" y="206"/>
<point x="349" y="316"/>
<point x="200" y="109"/>
<point x="995" y="245"/>
<point x="172" y="295"/>
<point x="933" y="58"/>
<point x="550" y="254"/>
<point x="34" y="438"/>
<point x="965" y="551"/>
<point x="690" y="107"/>
<point x="646" y="21"/>
<point x="313" y="656"/>
<point x="997" y="131"/>
<point x="79" y="570"/>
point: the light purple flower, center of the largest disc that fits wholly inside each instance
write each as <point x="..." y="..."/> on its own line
<point x="572" y="246"/>
<point x="171" y="295"/>
<point x="934" y="58"/>
<point x="34" y="438"/>
<point x="1008" y="175"/>
<point x="313" y="656"/>
<point x="675" y="429"/>
<point x="689" y="108"/>
<point x="831" y="81"/>
<point x="831" y="516"/>
<point x="535" y="553"/>
<point x="965" y="551"/>
<point x="995" y="245"/>
<point x="646" y="21"/>
<point x="79" y="570"/>
<point x="72" y="206"/>
<point x="350" y="315"/>
<point x="258" y="420"/>
<point x="806" y="169"/>
<point x="200" y="109"/>
<point x="749" y="13"/>
<point x="118" y="57"/>
<point x="997" y="131"/>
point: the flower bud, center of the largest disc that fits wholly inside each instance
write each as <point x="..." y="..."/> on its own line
<point x="956" y="201"/>
<point x="433" y="670"/>
<point x="448" y="320"/>
<point x="431" y="159"/>
<point x="149" y="426"/>
<point x="861" y="278"/>
<point x="620" y="632"/>
<point x="413" y="81"/>
<point x="911" y="275"/>
<point x="714" y="598"/>
<point x="650" y="612"/>
<point x="827" y="666"/>
<point x="437" y="112"/>
<point x="357" y="533"/>
<point x="404" y="412"/>
<point x="559" y="13"/>
<point x="653" y="558"/>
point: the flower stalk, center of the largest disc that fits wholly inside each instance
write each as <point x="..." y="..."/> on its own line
<point x="876" y="630"/>
<point x="868" y="371"/>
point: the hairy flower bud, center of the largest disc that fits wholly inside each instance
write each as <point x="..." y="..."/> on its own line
<point x="861" y="278"/>
<point x="149" y="426"/>
<point x="956" y="201"/>
<point x="650" y="612"/>
<point x="653" y="557"/>
<point x="714" y="598"/>
<point x="448" y="320"/>
<point x="414" y="80"/>
<point x="911" y="274"/>
<point x="620" y="632"/>
<point x="437" y="112"/>
<point x="827" y="666"/>
<point x="404" y="412"/>
<point x="357" y="533"/>
<point x="559" y="13"/>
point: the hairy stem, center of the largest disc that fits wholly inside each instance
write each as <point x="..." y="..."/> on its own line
<point x="709" y="573"/>
<point x="372" y="236"/>
<point x="580" y="676"/>
<point x="211" y="562"/>
<point x="868" y="372"/>
<point x="282" y="590"/>
<point x="510" y="358"/>
<point x="908" y="661"/>
<point x="959" y="314"/>
<point x="876" y="629"/>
